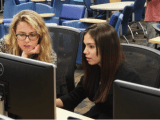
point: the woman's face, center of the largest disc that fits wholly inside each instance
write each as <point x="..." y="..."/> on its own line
<point x="90" y="50"/>
<point x="30" y="42"/>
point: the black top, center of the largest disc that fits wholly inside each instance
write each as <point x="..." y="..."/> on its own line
<point x="100" y="110"/>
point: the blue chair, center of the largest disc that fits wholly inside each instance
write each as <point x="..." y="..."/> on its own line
<point x="138" y="9"/>
<point x="77" y="2"/>
<point x="2" y="30"/>
<point x="44" y="8"/>
<point x="90" y="12"/>
<point x="44" y="2"/>
<point x="127" y="12"/>
<point x="114" y="18"/>
<point x="23" y="1"/>
<point x="11" y="7"/>
<point x="70" y="12"/>
<point x="24" y="6"/>
<point x="81" y="25"/>
<point x="101" y="1"/>
<point x="102" y="12"/>
<point x="57" y="6"/>
<point x="118" y="24"/>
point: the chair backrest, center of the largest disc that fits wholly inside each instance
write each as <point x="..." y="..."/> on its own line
<point x="2" y="30"/>
<point x="72" y="12"/>
<point x="8" y="8"/>
<point x="23" y="1"/>
<point x="52" y="3"/>
<point x="88" y="3"/>
<point x="101" y="1"/>
<point x="24" y="6"/>
<point x="11" y="8"/>
<point x="138" y="8"/>
<point x="57" y="6"/>
<point x="77" y="2"/>
<point x="43" y="8"/>
<point x="127" y="12"/>
<point x="65" y="41"/>
<point x="118" y="24"/>
<point x="17" y="2"/>
<point x="146" y="62"/>
<point x="114" y="18"/>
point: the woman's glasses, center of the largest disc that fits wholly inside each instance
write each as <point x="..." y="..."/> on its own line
<point x="32" y="37"/>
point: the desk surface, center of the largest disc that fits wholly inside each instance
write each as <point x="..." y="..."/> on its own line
<point x="47" y="15"/>
<point x="155" y="40"/>
<point x="64" y="114"/>
<point x="92" y="20"/>
<point x="112" y="6"/>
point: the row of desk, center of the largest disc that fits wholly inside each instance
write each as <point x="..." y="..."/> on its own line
<point x="61" y="114"/>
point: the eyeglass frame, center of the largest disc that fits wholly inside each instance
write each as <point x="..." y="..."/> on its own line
<point x="27" y="36"/>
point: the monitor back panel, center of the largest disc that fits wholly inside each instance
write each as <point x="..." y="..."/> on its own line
<point x="29" y="87"/>
<point x="133" y="101"/>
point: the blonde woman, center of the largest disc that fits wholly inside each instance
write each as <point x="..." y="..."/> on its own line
<point x="28" y="37"/>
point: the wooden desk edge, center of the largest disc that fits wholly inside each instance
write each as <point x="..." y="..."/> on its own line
<point x="155" y="40"/>
<point x="65" y="114"/>
<point x="90" y="20"/>
<point x="47" y="14"/>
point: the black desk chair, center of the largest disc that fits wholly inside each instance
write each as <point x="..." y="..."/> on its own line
<point x="146" y="61"/>
<point x="65" y="42"/>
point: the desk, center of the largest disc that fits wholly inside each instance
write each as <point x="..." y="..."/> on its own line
<point x="92" y="20"/>
<point x="47" y="15"/>
<point x="111" y="6"/>
<point x="61" y="114"/>
<point x="64" y="114"/>
<point x="155" y="40"/>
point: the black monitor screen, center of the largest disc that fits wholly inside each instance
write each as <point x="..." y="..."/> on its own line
<point x="29" y="87"/>
<point x="134" y="101"/>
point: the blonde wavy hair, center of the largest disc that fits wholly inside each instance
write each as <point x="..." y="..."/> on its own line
<point x="35" y="20"/>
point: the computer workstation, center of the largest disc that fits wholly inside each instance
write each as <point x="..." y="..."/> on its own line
<point x="28" y="89"/>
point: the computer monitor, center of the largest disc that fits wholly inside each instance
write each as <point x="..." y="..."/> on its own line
<point x="135" y="101"/>
<point x="29" y="87"/>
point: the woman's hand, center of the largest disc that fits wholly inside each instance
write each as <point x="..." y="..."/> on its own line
<point x="59" y="103"/>
<point x="35" y="50"/>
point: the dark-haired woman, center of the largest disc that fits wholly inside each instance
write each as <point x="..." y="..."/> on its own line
<point x="103" y="62"/>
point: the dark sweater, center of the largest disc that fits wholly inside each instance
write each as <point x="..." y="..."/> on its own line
<point x="100" y="110"/>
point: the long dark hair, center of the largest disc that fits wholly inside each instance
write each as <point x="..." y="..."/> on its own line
<point x="107" y="42"/>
